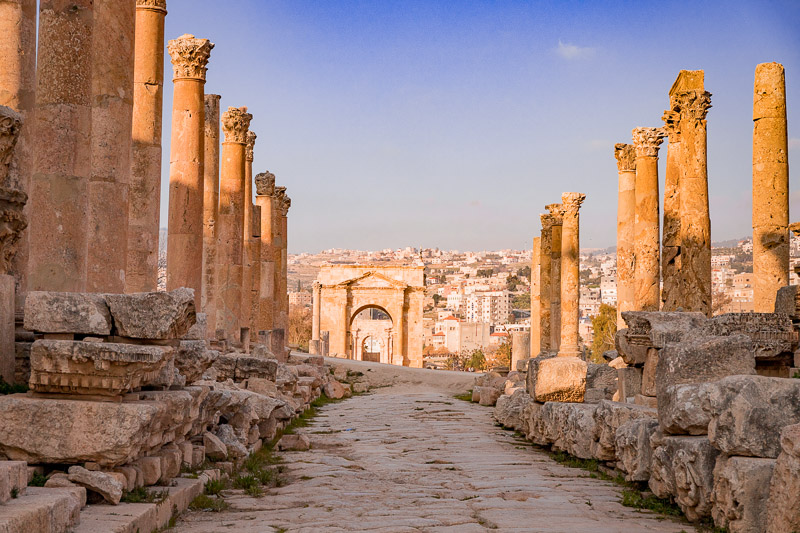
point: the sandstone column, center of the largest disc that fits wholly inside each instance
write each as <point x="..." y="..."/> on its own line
<point x="255" y="290"/>
<point x="144" y="194"/>
<point x="315" y="316"/>
<point x="247" y="237"/>
<point x="284" y="286"/>
<point x="695" y="226"/>
<point x="557" y="211"/>
<point x="277" y="257"/>
<point x="536" y="310"/>
<point x="185" y="227"/>
<point x="570" y="274"/>
<point x="18" y="92"/>
<point x="626" y="211"/>
<point x="646" y="224"/>
<point x="112" y="115"/>
<point x="230" y="244"/>
<point x="265" y="199"/>
<point x="770" y="186"/>
<point x="671" y="293"/>
<point x="208" y="303"/>
<point x="59" y="188"/>
<point x="546" y="286"/>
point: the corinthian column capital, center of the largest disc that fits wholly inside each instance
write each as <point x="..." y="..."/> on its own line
<point x="10" y="124"/>
<point x="626" y="157"/>
<point x="647" y="140"/>
<point x="547" y="221"/>
<point x="557" y="212"/>
<point x="155" y="5"/>
<point x="190" y="56"/>
<point x="285" y="205"/>
<point x="571" y="202"/>
<point x="251" y="144"/>
<point x="692" y="105"/>
<point x="235" y="124"/>
<point x="672" y="125"/>
<point x="265" y="184"/>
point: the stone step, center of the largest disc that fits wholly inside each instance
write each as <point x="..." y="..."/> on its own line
<point x="13" y="479"/>
<point x="43" y="510"/>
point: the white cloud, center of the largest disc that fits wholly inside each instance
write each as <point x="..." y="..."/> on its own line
<point x="571" y="51"/>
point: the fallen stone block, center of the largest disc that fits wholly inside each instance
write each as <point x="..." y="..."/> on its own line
<point x="783" y="506"/>
<point x="151" y="469"/>
<point x="739" y="498"/>
<point x="629" y="381"/>
<point x="489" y="396"/>
<point x="686" y="409"/>
<point x="102" y="483"/>
<point x="557" y="379"/>
<point x="67" y="312"/>
<point x="234" y="447"/>
<point x="787" y="301"/>
<point x="153" y="315"/>
<point x="653" y="329"/>
<point x="193" y="358"/>
<point x="509" y="409"/>
<point x="51" y="510"/>
<point x="294" y="443"/>
<point x="749" y="412"/>
<point x="532" y="426"/>
<point x="608" y="417"/>
<point x="239" y="367"/>
<point x="199" y="330"/>
<point x="569" y="427"/>
<point x="633" y="449"/>
<point x="772" y="334"/>
<point x="171" y="459"/>
<point x="360" y="387"/>
<point x="334" y="390"/>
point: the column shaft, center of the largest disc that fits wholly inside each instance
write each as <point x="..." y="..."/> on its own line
<point x="671" y="291"/>
<point x="770" y="186"/>
<point x="277" y="257"/>
<point x="144" y="193"/>
<point x="59" y="186"/>
<point x="265" y="191"/>
<point x="315" y="310"/>
<point x="536" y="310"/>
<point x="208" y="302"/>
<point x="247" y="237"/>
<point x="255" y="290"/>
<point x="546" y="283"/>
<point x="626" y="211"/>
<point x="555" y="276"/>
<point x="570" y="274"/>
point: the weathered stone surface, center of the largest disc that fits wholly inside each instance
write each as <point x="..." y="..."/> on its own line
<point x="749" y="412"/>
<point x="772" y="334"/>
<point x="360" y="388"/>
<point x="199" y="330"/>
<point x="94" y="367"/>
<point x="193" y="358"/>
<point x="633" y="449"/>
<point x="238" y="367"/>
<point x="215" y="448"/>
<point x="262" y="386"/>
<point x="153" y="315"/>
<point x="783" y="507"/>
<point x="601" y="382"/>
<point x="151" y="469"/>
<point x="571" y="426"/>
<point x="683" y="467"/>
<point x="13" y="479"/>
<point x="228" y="436"/>
<point x="788" y="301"/>
<point x="489" y="395"/>
<point x="686" y="409"/>
<point x="67" y="312"/>
<point x="108" y="433"/>
<point x="740" y="496"/>
<point x="557" y="379"/>
<point x="334" y="390"/>
<point x="100" y="482"/>
<point x="652" y="329"/>
<point x="702" y="358"/>
<point x="509" y="409"/>
<point x="608" y="418"/>
<point x="629" y="382"/>
<point x="171" y="460"/>
<point x="294" y="443"/>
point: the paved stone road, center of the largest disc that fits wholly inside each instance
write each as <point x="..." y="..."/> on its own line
<point x="396" y="462"/>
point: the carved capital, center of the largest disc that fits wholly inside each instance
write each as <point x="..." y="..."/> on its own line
<point x="647" y="140"/>
<point x="626" y="157"/>
<point x="557" y="212"/>
<point x="547" y="222"/>
<point x="10" y="126"/>
<point x="692" y="105"/>
<point x="12" y="223"/>
<point x="155" y="5"/>
<point x="190" y="56"/>
<point x="265" y="184"/>
<point x="672" y="125"/>
<point x="285" y="205"/>
<point x="572" y="203"/>
<point x="280" y="193"/>
<point x="251" y="143"/>
<point x="235" y="124"/>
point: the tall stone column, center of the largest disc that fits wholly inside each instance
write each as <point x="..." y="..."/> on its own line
<point x="570" y="274"/>
<point x="144" y="193"/>
<point x="112" y="116"/>
<point x="546" y="286"/>
<point x="265" y="199"/>
<point x="277" y="256"/>
<point x="230" y="244"/>
<point x="59" y="188"/>
<point x="316" y="307"/>
<point x="18" y="92"/>
<point x="770" y="186"/>
<point x="695" y="227"/>
<point x="671" y="292"/>
<point x="255" y="291"/>
<point x="626" y="211"/>
<point x="646" y="225"/>
<point x="248" y="259"/>
<point x="556" y="210"/>
<point x="284" y="278"/>
<point x="185" y="227"/>
<point x="536" y="309"/>
<point x="208" y="302"/>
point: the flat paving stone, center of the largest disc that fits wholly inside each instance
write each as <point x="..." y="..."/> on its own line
<point x="399" y="460"/>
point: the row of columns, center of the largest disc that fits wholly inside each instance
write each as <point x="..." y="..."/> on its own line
<point x="95" y="88"/>
<point x="555" y="276"/>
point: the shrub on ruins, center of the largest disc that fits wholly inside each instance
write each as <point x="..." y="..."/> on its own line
<point x="500" y="355"/>
<point x="477" y="361"/>
<point x="604" y="326"/>
<point x="17" y="388"/>
<point x="299" y="326"/>
<point x="204" y="502"/>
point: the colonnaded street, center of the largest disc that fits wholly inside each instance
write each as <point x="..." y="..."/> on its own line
<point x="408" y="457"/>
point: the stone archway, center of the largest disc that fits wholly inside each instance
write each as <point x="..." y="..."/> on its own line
<point x="374" y="324"/>
<point x="344" y="291"/>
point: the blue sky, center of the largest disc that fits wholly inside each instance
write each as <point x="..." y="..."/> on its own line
<point x="452" y="124"/>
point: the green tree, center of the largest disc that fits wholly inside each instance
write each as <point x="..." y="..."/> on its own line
<point x="604" y="326"/>
<point x="477" y="360"/>
<point x="502" y="355"/>
<point x="511" y="283"/>
<point x="436" y="299"/>
<point x="522" y="301"/>
<point x="485" y="273"/>
<point x="524" y="272"/>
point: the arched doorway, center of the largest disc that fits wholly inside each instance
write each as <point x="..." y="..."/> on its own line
<point x="371" y="334"/>
<point x="371" y="349"/>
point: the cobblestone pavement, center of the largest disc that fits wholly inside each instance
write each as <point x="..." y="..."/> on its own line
<point x="423" y="461"/>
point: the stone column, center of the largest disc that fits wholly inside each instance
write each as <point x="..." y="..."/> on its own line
<point x="208" y="302"/>
<point x="265" y="199"/>
<point x="316" y="306"/>
<point x="695" y="226"/>
<point x="277" y="257"/>
<point x="256" y="272"/>
<point x="570" y="274"/>
<point x="646" y="224"/>
<point x="59" y="188"/>
<point x="536" y="310"/>
<point x="230" y="243"/>
<point x="557" y="212"/>
<point x="185" y="227"/>
<point x="144" y="193"/>
<point x="18" y="92"/>
<point x="112" y="116"/>
<point x="626" y="211"/>
<point x="770" y="186"/>
<point x="671" y="293"/>
<point x="284" y="287"/>
<point x="247" y="237"/>
<point x="546" y="286"/>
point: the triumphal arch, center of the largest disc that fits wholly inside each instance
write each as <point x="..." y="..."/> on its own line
<point x="371" y="312"/>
